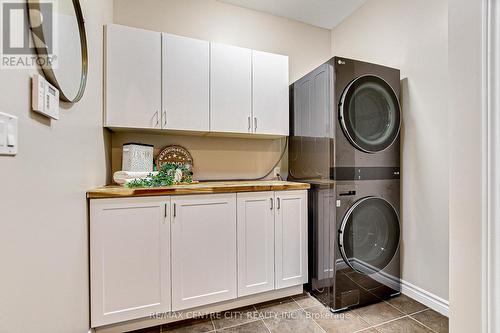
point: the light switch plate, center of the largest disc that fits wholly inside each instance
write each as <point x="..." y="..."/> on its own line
<point x="8" y="134"/>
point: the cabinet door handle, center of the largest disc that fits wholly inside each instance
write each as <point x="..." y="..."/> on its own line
<point x="157" y="118"/>
<point x="165" y="220"/>
<point x="175" y="210"/>
<point x="249" y="123"/>
<point x="255" y="124"/>
<point x="272" y="204"/>
<point x="164" y="116"/>
<point x="279" y="202"/>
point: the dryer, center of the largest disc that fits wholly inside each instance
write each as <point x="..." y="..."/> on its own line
<point x="345" y="121"/>
<point x="367" y="130"/>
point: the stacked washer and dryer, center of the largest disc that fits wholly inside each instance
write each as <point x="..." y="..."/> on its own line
<point x="345" y="141"/>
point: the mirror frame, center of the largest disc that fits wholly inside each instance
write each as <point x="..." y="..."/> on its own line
<point x="48" y="71"/>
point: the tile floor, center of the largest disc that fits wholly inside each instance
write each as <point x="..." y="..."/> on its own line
<point x="303" y="313"/>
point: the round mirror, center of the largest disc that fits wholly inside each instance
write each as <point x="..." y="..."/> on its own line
<point x="58" y="32"/>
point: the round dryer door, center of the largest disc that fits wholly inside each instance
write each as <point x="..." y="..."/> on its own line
<point x="369" y="235"/>
<point x="369" y="114"/>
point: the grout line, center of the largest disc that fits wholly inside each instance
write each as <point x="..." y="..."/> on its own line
<point x="236" y="325"/>
<point x="213" y="324"/>
<point x="258" y="312"/>
<point x="312" y="317"/>
<point x="366" y="329"/>
<point x="414" y="313"/>
<point x="422" y="324"/>
<point x="300" y="307"/>
<point x="408" y="314"/>
<point x="393" y="306"/>
<point x="266" y="326"/>
<point x="387" y="322"/>
<point x="362" y="319"/>
<point x="308" y="307"/>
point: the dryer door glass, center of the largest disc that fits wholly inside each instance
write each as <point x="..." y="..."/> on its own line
<point x="369" y="235"/>
<point x="369" y="114"/>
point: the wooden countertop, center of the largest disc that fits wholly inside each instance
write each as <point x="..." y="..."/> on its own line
<point x="196" y="188"/>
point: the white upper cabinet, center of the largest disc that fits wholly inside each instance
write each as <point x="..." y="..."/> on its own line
<point x="129" y="258"/>
<point x="291" y="238"/>
<point x="133" y="78"/>
<point x="185" y="64"/>
<point x="255" y="242"/>
<point x="169" y="82"/>
<point x="270" y="93"/>
<point x="230" y="89"/>
<point x="203" y="250"/>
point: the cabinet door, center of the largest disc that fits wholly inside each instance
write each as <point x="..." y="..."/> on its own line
<point x="203" y="250"/>
<point x="185" y="83"/>
<point x="129" y="258"/>
<point x="270" y="93"/>
<point x="255" y="242"/>
<point x="291" y="238"/>
<point x="132" y="77"/>
<point x="230" y="89"/>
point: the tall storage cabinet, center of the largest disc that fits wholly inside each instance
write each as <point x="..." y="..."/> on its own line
<point x="203" y="250"/>
<point x="185" y="89"/>
<point x="255" y="242"/>
<point x="129" y="258"/>
<point x="133" y="78"/>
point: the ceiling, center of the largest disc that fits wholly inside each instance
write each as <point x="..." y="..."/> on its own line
<point x="322" y="13"/>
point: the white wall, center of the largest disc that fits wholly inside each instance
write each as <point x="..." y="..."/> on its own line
<point x="466" y="134"/>
<point x="214" y="158"/>
<point x="412" y="35"/>
<point x="43" y="211"/>
<point x="306" y="46"/>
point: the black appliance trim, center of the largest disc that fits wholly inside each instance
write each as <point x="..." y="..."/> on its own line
<point x="365" y="173"/>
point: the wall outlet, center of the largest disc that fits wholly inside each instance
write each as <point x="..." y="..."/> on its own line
<point x="277" y="172"/>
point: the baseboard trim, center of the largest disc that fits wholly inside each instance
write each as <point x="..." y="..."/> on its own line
<point x="430" y="300"/>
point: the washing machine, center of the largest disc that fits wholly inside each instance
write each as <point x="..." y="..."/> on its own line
<point x="367" y="245"/>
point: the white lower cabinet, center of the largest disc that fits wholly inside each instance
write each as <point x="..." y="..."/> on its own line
<point x="203" y="250"/>
<point x="291" y="238"/>
<point x="255" y="242"/>
<point x="272" y="241"/>
<point x="129" y="258"/>
<point x="162" y="254"/>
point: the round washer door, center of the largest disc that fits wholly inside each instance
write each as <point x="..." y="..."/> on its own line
<point x="369" y="235"/>
<point x="370" y="114"/>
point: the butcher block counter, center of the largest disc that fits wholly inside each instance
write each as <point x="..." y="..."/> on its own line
<point x="196" y="188"/>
